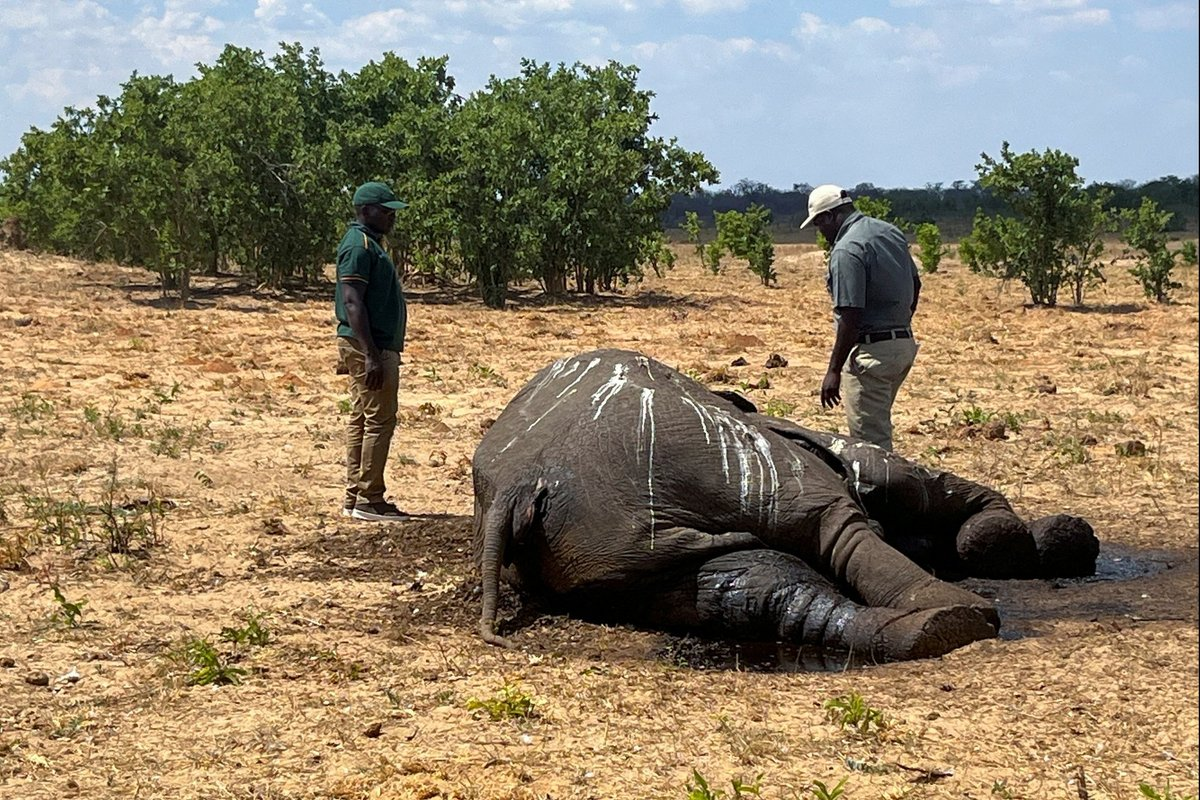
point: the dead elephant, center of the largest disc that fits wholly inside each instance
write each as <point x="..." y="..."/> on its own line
<point x="620" y="489"/>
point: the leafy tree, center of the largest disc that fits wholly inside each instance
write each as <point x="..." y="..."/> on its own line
<point x="748" y="236"/>
<point x="1145" y="233"/>
<point x="1091" y="219"/>
<point x="395" y="124"/>
<point x="557" y="178"/>
<point x="929" y="239"/>
<point x="1187" y="251"/>
<point x="1049" y="211"/>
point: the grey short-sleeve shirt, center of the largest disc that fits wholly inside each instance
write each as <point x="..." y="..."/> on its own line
<point x="870" y="267"/>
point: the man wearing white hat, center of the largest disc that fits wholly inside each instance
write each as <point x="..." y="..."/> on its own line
<point x="875" y="287"/>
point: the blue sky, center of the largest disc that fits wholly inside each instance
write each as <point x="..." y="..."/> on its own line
<point x="898" y="93"/>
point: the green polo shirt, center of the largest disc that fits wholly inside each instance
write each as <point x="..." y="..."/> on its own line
<point x="362" y="259"/>
<point x="870" y="267"/>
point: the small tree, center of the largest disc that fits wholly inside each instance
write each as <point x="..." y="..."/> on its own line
<point x="929" y="239"/>
<point x="748" y="236"/>
<point x="1145" y="234"/>
<point x="1046" y="197"/>
<point x="1089" y="222"/>
<point x="1187" y="251"/>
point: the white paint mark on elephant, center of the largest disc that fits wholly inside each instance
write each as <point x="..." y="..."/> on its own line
<point x="568" y="390"/>
<point x="645" y="364"/>
<point x="551" y="375"/>
<point x="857" y="476"/>
<point x="836" y="446"/>
<point x="510" y="444"/>
<point x="610" y="388"/>
<point x="756" y="469"/>
<point x="646" y="442"/>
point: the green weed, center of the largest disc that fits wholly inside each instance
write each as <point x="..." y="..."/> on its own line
<point x="33" y="407"/>
<point x="974" y="415"/>
<point x="1000" y="789"/>
<point x="252" y="633"/>
<point x="1152" y="793"/>
<point x="1069" y="448"/>
<point x="511" y="703"/>
<point x="852" y="711"/>
<point x="486" y="373"/>
<point x="205" y="666"/>
<point x="343" y="405"/>
<point x="69" y="613"/>
<point x="822" y="792"/>
<point x="698" y="788"/>
<point x="777" y="408"/>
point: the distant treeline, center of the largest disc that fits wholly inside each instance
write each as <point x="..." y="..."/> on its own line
<point x="951" y="208"/>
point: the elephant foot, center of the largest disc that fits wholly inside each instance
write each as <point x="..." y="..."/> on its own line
<point x="1066" y="546"/>
<point x="929" y="633"/>
<point x="997" y="544"/>
<point x="934" y="594"/>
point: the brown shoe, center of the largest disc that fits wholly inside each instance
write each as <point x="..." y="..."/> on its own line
<point x="378" y="511"/>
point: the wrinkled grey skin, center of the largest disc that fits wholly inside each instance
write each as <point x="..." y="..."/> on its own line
<point x="620" y="489"/>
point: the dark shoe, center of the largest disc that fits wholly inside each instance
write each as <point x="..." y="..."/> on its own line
<point x="348" y="507"/>
<point x="379" y="511"/>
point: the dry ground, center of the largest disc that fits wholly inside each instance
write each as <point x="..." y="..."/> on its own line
<point x="207" y="439"/>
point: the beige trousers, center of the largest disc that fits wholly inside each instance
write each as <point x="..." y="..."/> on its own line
<point x="372" y="421"/>
<point x="870" y="380"/>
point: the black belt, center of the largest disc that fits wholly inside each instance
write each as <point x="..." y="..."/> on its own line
<point x="883" y="336"/>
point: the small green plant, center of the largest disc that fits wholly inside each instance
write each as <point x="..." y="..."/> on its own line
<point x="1145" y="235"/>
<point x="510" y="703"/>
<point x="1000" y="789"/>
<point x="32" y="407"/>
<point x="252" y="633"/>
<point x="929" y="239"/>
<point x="69" y="613"/>
<point x="1187" y="251"/>
<point x="852" y="711"/>
<point x="343" y="405"/>
<point x="1153" y="793"/>
<point x="777" y="408"/>
<point x="974" y="415"/>
<point x="431" y="374"/>
<point x="698" y="788"/>
<point x="486" y="373"/>
<point x="822" y="792"/>
<point x="1068" y="447"/>
<point x="205" y="665"/>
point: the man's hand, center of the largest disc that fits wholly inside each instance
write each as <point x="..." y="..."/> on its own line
<point x="373" y="380"/>
<point x="831" y="389"/>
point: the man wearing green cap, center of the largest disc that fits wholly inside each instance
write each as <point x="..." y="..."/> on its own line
<point x="371" y="315"/>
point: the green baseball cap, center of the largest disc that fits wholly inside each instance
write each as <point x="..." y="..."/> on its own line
<point x="375" y="193"/>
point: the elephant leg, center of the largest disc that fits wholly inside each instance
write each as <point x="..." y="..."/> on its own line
<point x="767" y="594"/>
<point x="1066" y="546"/>
<point x="879" y="574"/>
<point x="997" y="544"/>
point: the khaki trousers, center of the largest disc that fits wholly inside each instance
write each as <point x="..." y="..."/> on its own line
<point x="372" y="421"/>
<point x="870" y="380"/>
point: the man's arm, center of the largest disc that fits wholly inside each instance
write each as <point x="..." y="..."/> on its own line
<point x="848" y="328"/>
<point x="916" y="291"/>
<point x="354" y="298"/>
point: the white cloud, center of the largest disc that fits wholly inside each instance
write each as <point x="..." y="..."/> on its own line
<point x="1173" y="16"/>
<point x="711" y="6"/>
<point x="871" y="25"/>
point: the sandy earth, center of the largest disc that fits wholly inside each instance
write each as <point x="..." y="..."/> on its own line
<point x="207" y="439"/>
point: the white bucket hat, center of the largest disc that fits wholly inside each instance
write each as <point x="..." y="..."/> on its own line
<point x="823" y="198"/>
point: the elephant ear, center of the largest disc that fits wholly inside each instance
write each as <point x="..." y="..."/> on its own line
<point x="739" y="402"/>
